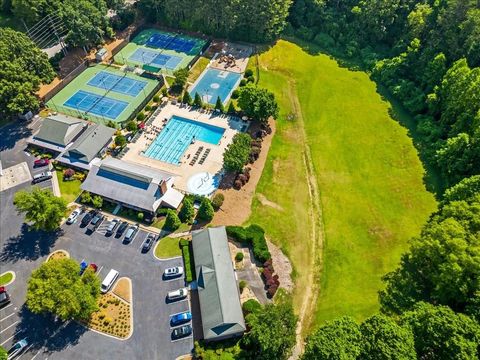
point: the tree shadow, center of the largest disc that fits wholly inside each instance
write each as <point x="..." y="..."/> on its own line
<point x="10" y="134"/>
<point x="42" y="331"/>
<point x="29" y="245"/>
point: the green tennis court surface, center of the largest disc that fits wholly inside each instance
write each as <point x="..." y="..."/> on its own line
<point x="102" y="93"/>
<point x="156" y="50"/>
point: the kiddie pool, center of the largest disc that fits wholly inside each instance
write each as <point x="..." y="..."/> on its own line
<point x="203" y="183"/>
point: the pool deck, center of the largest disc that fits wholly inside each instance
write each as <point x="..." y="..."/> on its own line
<point x="213" y="163"/>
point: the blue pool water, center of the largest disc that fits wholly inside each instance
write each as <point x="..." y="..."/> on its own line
<point x="170" y="145"/>
<point x="216" y="83"/>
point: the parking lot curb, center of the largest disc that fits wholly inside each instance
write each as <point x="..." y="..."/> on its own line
<point x="59" y="250"/>
<point x="13" y="277"/>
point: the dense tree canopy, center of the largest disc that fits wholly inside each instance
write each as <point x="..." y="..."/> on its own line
<point x="251" y="20"/>
<point x="335" y="340"/>
<point x="236" y="155"/>
<point x="258" y="103"/>
<point x="85" y="20"/>
<point x="23" y="67"/>
<point x="43" y="209"/>
<point x="57" y="287"/>
<point x="272" y="333"/>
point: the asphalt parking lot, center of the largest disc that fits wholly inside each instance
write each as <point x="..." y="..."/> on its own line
<point x="22" y="251"/>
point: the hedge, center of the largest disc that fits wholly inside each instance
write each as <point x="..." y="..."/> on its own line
<point x="187" y="261"/>
<point x="252" y="235"/>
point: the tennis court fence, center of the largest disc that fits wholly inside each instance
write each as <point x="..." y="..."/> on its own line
<point x="66" y="80"/>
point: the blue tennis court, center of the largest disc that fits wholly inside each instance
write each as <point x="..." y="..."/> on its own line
<point x="151" y="57"/>
<point x="96" y="104"/>
<point x="178" y="134"/>
<point x="120" y="84"/>
<point x="215" y="83"/>
<point x="171" y="42"/>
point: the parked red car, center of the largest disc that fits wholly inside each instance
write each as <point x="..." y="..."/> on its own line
<point x="41" y="162"/>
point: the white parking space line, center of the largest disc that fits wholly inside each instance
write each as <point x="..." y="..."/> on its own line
<point x="178" y="301"/>
<point x="185" y="338"/>
<point x="10" y="338"/>
<point x="38" y="352"/>
<point x="6" y="307"/>
<point x="6" y="317"/>
<point x="99" y="270"/>
<point x="24" y="351"/>
<point x="8" y="327"/>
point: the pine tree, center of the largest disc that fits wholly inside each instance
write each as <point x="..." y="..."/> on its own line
<point x="187" y="99"/>
<point x="198" y="100"/>
<point x="219" y="105"/>
<point x="231" y="108"/>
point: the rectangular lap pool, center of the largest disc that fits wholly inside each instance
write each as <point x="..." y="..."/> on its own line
<point x="215" y="83"/>
<point x="170" y="145"/>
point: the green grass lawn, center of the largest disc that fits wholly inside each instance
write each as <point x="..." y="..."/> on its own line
<point x="161" y="222"/>
<point x="367" y="170"/>
<point x="198" y="68"/>
<point x="6" y="278"/>
<point x="168" y="247"/>
<point x="69" y="189"/>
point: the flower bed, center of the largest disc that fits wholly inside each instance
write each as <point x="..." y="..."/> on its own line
<point x="113" y="317"/>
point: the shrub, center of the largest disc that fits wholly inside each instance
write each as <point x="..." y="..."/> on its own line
<point x="235" y="94"/>
<point x="217" y="201"/>
<point x="148" y="108"/>
<point x="140" y="116"/>
<point x="231" y="108"/>
<point x="111" y="124"/>
<point x="184" y="242"/>
<point x="187" y="212"/>
<point x="239" y="256"/>
<point x="187" y="261"/>
<point x="68" y="173"/>
<point x="86" y="197"/>
<point x="172" y="222"/>
<point x="253" y="235"/>
<point x="164" y="92"/>
<point x="162" y="211"/>
<point x="120" y="140"/>
<point x="243" y="82"/>
<point x="140" y="216"/>
<point x="79" y="176"/>
<point x="97" y="201"/>
<point x="251" y="79"/>
<point x="206" y="212"/>
<point x="156" y="98"/>
<point x="131" y="125"/>
<point x="237" y="153"/>
<point x="187" y="99"/>
<point x="198" y="100"/>
<point x="248" y="73"/>
<point x="251" y="306"/>
<point x="242" y="285"/>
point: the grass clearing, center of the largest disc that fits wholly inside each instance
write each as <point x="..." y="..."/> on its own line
<point x="6" y="278"/>
<point x="168" y="247"/>
<point x="367" y="170"/>
<point x="70" y="190"/>
<point x="198" y="68"/>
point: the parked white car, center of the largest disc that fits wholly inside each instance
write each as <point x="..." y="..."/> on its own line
<point x="177" y="294"/>
<point x="74" y="216"/>
<point x="173" y="271"/>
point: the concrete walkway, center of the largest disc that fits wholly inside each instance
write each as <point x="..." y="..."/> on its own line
<point x="55" y="186"/>
<point x="250" y="274"/>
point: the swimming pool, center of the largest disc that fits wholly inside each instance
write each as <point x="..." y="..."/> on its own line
<point x="170" y="145"/>
<point x="215" y="83"/>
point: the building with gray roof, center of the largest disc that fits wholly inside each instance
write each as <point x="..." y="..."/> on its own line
<point x="218" y="293"/>
<point x="135" y="186"/>
<point x="57" y="131"/>
<point x="90" y="144"/>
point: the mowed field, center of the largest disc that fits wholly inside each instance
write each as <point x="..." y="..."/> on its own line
<point x="368" y="174"/>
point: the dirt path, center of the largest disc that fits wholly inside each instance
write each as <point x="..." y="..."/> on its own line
<point x="237" y="206"/>
<point x="316" y="239"/>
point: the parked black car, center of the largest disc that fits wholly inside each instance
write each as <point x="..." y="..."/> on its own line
<point x="96" y="221"/>
<point x="148" y="243"/>
<point x="121" y="229"/>
<point x="88" y="217"/>
<point x="181" y="331"/>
